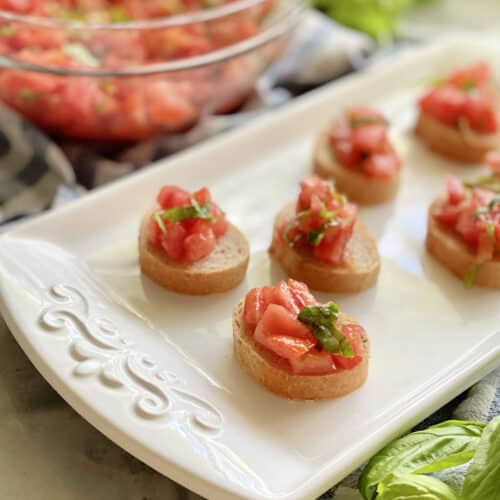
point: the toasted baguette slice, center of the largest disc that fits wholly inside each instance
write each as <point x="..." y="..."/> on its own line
<point x="358" y="272"/>
<point x="274" y="372"/>
<point x="222" y="270"/>
<point x="453" y="253"/>
<point x="466" y="147"/>
<point x="357" y="186"/>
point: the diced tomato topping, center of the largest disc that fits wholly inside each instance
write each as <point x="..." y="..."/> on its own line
<point x="493" y="162"/>
<point x="154" y="233"/>
<point x="271" y="314"/>
<point x="360" y="140"/>
<point x="456" y="190"/>
<point x="355" y="334"/>
<point x="313" y="363"/>
<point x="331" y="249"/>
<point x="467" y="93"/>
<point x="382" y="165"/>
<point x="172" y="240"/>
<point x="311" y="186"/>
<point x="192" y="238"/>
<point x="199" y="245"/>
<point x="369" y="138"/>
<point x="474" y="215"/>
<point x="173" y="196"/>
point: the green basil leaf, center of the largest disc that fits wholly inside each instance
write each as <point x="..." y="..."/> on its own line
<point x="160" y="223"/>
<point x="80" y="53"/>
<point x="414" y="486"/>
<point x="492" y="183"/>
<point x="490" y="229"/>
<point x="368" y="120"/>
<point x="321" y="321"/>
<point x="436" y="448"/>
<point x="195" y="211"/>
<point x="482" y="481"/>
<point x="314" y="237"/>
<point x="470" y="277"/>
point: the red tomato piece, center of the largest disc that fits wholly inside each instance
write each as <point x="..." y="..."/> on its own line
<point x="481" y="116"/>
<point x="172" y="240"/>
<point x="277" y="320"/>
<point x="199" y="245"/>
<point x="256" y="303"/>
<point x="456" y="190"/>
<point x="310" y="186"/>
<point x="202" y="196"/>
<point x="445" y="103"/>
<point x="476" y="74"/>
<point x="339" y="131"/>
<point x="369" y="138"/>
<point x="154" y="233"/>
<point x="364" y="112"/>
<point x="282" y="295"/>
<point x="173" y="196"/>
<point x="300" y="291"/>
<point x="219" y="222"/>
<point x="448" y="214"/>
<point x="346" y="154"/>
<point x="331" y="250"/>
<point x="466" y="225"/>
<point x="354" y="334"/>
<point x="289" y="347"/>
<point x="313" y="363"/>
<point x="382" y="165"/>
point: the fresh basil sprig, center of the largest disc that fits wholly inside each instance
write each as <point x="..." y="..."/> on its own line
<point x="414" y="486"/>
<point x="194" y="211"/>
<point x="367" y="120"/>
<point x="482" y="481"/>
<point x="393" y="472"/>
<point x="321" y="320"/>
<point x="470" y="277"/>
<point x="492" y="183"/>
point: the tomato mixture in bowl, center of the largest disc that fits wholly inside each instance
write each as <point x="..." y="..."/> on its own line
<point x="186" y="226"/>
<point x="360" y="141"/>
<point x="466" y="99"/>
<point x="125" y="70"/>
<point x="314" y="339"/>
<point x="323" y="222"/>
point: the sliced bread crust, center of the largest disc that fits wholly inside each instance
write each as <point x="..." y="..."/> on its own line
<point x="274" y="372"/>
<point x="359" y="270"/>
<point x="357" y="186"/>
<point x="452" y="143"/>
<point x="449" y="249"/>
<point x="222" y="270"/>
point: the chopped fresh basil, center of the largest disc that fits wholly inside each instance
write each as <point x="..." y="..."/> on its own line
<point x="493" y="202"/>
<point x="7" y="31"/>
<point x="467" y="85"/>
<point x="470" y="277"/>
<point x="118" y="14"/>
<point x="490" y="229"/>
<point x="321" y="320"/>
<point x="314" y="237"/>
<point x="194" y="211"/>
<point x="160" y="223"/>
<point x="367" y="120"/>
<point x="491" y="183"/>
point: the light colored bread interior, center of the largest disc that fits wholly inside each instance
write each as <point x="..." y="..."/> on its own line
<point x="222" y="270"/>
<point x="449" y="141"/>
<point x="357" y="186"/>
<point x="274" y="372"/>
<point x="359" y="270"/>
<point x="449" y="249"/>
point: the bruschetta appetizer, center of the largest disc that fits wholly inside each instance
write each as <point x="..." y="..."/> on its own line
<point x="287" y="341"/>
<point x="458" y="116"/>
<point x="186" y="244"/>
<point x="319" y="240"/>
<point x="463" y="230"/>
<point x="356" y="152"/>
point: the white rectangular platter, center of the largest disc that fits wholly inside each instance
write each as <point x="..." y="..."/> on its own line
<point x="154" y="371"/>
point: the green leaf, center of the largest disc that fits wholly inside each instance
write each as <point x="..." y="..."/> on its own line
<point x="314" y="237"/>
<point x="160" y="223"/>
<point x="194" y="211"/>
<point x="470" y="277"/>
<point x="413" y="487"/>
<point x="436" y="448"/>
<point x="368" y="120"/>
<point x="321" y="321"/>
<point x="482" y="481"/>
<point x="492" y="183"/>
<point x="490" y="229"/>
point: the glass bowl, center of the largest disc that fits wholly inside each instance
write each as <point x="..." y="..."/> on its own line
<point x="104" y="77"/>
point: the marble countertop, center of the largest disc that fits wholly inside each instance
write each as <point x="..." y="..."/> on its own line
<point x="49" y="452"/>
